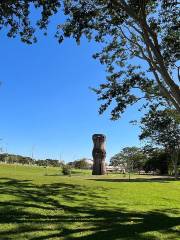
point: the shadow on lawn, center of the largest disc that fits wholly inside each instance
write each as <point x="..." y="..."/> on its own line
<point x="155" y="179"/>
<point x="70" y="204"/>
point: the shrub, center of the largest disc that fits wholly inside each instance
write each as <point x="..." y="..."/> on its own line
<point x="66" y="170"/>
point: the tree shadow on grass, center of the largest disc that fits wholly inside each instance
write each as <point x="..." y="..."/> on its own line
<point x="68" y="211"/>
<point x="157" y="179"/>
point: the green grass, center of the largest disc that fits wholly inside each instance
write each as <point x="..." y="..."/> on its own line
<point x="38" y="205"/>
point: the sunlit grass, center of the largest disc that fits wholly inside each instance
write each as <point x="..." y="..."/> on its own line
<point x="38" y="203"/>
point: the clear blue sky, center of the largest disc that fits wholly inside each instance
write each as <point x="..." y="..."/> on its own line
<point x="45" y="101"/>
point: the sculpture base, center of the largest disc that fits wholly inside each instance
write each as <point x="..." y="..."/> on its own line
<point x="99" y="169"/>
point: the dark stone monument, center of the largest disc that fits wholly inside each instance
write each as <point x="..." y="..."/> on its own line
<point x="99" y="154"/>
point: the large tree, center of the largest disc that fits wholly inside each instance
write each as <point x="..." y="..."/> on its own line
<point x="162" y="128"/>
<point x="127" y="30"/>
<point x="158" y="160"/>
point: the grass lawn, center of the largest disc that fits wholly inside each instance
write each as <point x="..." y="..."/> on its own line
<point x="37" y="205"/>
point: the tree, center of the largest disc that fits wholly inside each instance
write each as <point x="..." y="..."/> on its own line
<point x="129" y="30"/>
<point x="162" y="128"/>
<point x="53" y="163"/>
<point x="82" y="164"/>
<point x="158" y="161"/>
<point x="131" y="158"/>
<point x="15" y="15"/>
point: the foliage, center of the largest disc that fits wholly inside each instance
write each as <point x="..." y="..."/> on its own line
<point x="161" y="127"/>
<point x="149" y="159"/>
<point x="16" y="16"/>
<point x="158" y="161"/>
<point x="139" y="42"/>
<point x="132" y="33"/>
<point x="53" y="163"/>
<point x="81" y="164"/>
<point x="66" y="170"/>
<point x="17" y="159"/>
<point x="131" y="158"/>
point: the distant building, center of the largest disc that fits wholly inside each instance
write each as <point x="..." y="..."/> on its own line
<point x="89" y="161"/>
<point x="119" y="168"/>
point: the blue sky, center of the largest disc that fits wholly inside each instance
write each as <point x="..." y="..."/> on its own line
<point x="46" y="103"/>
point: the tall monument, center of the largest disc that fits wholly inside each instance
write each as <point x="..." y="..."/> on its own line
<point x="99" y="154"/>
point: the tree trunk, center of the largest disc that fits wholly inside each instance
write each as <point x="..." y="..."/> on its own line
<point x="175" y="170"/>
<point x="175" y="159"/>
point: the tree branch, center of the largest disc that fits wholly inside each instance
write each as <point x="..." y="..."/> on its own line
<point x="164" y="90"/>
<point x="159" y="59"/>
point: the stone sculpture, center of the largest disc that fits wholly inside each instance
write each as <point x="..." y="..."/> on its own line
<point x="99" y="154"/>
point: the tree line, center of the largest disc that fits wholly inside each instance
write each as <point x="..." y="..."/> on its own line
<point x="82" y="163"/>
<point x="160" y="131"/>
<point x="18" y="159"/>
<point x="143" y="160"/>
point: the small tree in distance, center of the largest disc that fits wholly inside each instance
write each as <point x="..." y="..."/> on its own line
<point x="82" y="164"/>
<point x="131" y="158"/>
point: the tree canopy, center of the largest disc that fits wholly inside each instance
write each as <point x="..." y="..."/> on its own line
<point x="139" y="40"/>
<point x="161" y="128"/>
<point x="16" y="17"/>
<point x="158" y="160"/>
<point x="127" y="31"/>
<point x="130" y="158"/>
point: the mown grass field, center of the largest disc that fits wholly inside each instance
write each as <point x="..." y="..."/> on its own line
<point x="37" y="205"/>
